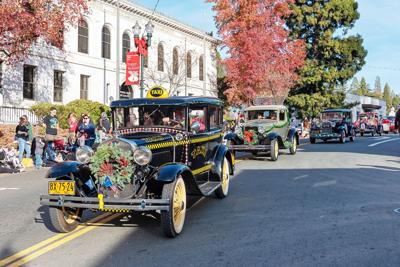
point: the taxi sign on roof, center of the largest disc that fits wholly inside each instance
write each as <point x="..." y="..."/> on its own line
<point x="157" y="92"/>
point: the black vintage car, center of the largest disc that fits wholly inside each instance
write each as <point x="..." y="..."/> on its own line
<point x="333" y="124"/>
<point x="162" y="151"/>
<point x="266" y="129"/>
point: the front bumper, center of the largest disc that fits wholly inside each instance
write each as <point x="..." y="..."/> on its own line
<point x="105" y="204"/>
<point x="250" y="148"/>
<point x="325" y="135"/>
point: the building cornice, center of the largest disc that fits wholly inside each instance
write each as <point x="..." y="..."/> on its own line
<point x="161" y="19"/>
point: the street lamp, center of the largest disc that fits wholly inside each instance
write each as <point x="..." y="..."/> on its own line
<point x="142" y="44"/>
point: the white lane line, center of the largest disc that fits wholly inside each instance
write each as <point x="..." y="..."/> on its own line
<point x="381" y="142"/>
<point x="300" y="177"/>
<point x="8" y="188"/>
<point x="327" y="183"/>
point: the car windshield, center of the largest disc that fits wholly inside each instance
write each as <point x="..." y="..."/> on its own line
<point x="155" y="116"/>
<point x="331" y="116"/>
<point x="262" y="115"/>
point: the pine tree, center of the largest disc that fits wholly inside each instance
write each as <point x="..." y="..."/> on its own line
<point x="378" y="88"/>
<point x="354" y="85"/>
<point x="363" y="89"/>
<point x="387" y="96"/>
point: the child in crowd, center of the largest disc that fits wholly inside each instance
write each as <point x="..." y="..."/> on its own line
<point x="12" y="158"/>
<point x="39" y="149"/>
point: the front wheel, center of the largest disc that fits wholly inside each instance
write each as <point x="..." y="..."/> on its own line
<point x="293" y="148"/>
<point x="172" y="221"/>
<point x="274" y="150"/>
<point x="342" y="138"/>
<point x="223" y="190"/>
<point x="64" y="219"/>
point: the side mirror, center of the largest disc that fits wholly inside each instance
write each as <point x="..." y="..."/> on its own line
<point x="195" y="126"/>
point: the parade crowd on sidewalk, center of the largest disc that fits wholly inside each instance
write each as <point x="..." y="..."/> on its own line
<point x="31" y="147"/>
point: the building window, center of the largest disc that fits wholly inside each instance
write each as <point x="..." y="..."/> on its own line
<point x="126" y="46"/>
<point x="84" y="86"/>
<point x="201" y="68"/>
<point x="188" y="65"/>
<point x="105" y="43"/>
<point x="160" y="57"/>
<point x="175" y="63"/>
<point x="29" y="81"/>
<point x="58" y="86"/>
<point x="83" y="37"/>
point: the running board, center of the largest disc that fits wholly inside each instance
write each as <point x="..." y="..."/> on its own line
<point x="209" y="187"/>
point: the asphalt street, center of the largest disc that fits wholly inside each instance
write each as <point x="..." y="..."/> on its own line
<point x="331" y="204"/>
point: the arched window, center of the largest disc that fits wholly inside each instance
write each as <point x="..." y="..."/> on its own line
<point x="160" y="57"/>
<point x="126" y="45"/>
<point x="175" y="59"/>
<point x="105" y="43"/>
<point x="188" y="65"/>
<point x="83" y="37"/>
<point x="201" y="68"/>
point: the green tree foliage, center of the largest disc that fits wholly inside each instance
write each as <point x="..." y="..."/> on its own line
<point x="363" y="89"/>
<point x="378" y="87"/>
<point x="332" y="58"/>
<point x="387" y="96"/>
<point x="396" y="101"/>
<point x="93" y="109"/>
<point x="354" y="85"/>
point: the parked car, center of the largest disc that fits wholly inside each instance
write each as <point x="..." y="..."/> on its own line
<point x="368" y="123"/>
<point x="388" y="125"/>
<point x="265" y="128"/>
<point x="163" y="150"/>
<point x="333" y="124"/>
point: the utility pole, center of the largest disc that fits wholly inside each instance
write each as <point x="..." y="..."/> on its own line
<point x="117" y="74"/>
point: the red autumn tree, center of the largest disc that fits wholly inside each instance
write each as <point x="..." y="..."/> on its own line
<point x="23" y="22"/>
<point x="262" y="60"/>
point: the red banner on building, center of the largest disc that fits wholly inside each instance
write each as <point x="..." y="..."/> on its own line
<point x="132" y="68"/>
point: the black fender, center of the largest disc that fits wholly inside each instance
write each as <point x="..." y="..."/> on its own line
<point x="169" y="172"/>
<point x="272" y="136"/>
<point x="221" y="153"/>
<point x="63" y="169"/>
<point x="293" y="134"/>
<point x="234" y="138"/>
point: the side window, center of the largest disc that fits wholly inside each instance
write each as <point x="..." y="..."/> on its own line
<point x="214" y="117"/>
<point x="282" y="116"/>
<point x="198" y="115"/>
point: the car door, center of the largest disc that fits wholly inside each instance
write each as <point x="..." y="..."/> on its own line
<point x="282" y="128"/>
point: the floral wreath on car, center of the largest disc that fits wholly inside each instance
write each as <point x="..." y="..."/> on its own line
<point x="112" y="166"/>
<point x="250" y="137"/>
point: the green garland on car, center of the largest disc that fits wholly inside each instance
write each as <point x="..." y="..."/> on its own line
<point x="113" y="162"/>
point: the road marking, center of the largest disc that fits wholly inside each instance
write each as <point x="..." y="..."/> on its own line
<point x="8" y="188"/>
<point x="326" y="183"/>
<point x="59" y="237"/>
<point x="390" y="140"/>
<point x="300" y="177"/>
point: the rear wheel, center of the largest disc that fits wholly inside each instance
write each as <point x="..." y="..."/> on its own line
<point x="172" y="221"/>
<point x="293" y="148"/>
<point x="64" y="219"/>
<point x="274" y="150"/>
<point x="223" y="190"/>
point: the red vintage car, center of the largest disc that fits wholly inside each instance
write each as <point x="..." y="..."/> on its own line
<point x="368" y="123"/>
<point x="388" y="125"/>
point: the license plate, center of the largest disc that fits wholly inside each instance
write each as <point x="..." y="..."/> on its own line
<point x="61" y="188"/>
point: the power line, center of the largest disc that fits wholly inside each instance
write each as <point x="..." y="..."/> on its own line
<point x="155" y="7"/>
<point x="383" y="68"/>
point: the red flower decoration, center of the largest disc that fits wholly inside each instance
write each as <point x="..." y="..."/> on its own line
<point x="106" y="169"/>
<point x="123" y="162"/>
<point x="248" y="135"/>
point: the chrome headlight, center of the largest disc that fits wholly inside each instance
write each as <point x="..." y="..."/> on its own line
<point x="83" y="154"/>
<point x="261" y="129"/>
<point x="142" y="155"/>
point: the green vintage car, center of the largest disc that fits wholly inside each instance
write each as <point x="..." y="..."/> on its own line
<point x="266" y="128"/>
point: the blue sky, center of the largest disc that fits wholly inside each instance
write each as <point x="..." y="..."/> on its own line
<point x="378" y="25"/>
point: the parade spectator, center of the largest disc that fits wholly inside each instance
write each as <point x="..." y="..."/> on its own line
<point x="51" y="124"/>
<point x="22" y="137"/>
<point x="30" y="129"/>
<point x="39" y="149"/>
<point x="72" y="128"/>
<point x="306" y="128"/>
<point x="104" y="123"/>
<point x="87" y="131"/>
